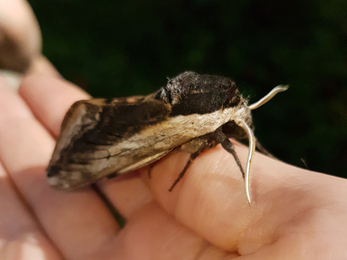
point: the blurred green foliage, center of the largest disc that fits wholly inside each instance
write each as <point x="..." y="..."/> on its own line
<point x="122" y="48"/>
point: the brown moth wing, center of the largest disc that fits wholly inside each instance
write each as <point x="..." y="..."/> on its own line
<point x="100" y="137"/>
<point x="91" y="144"/>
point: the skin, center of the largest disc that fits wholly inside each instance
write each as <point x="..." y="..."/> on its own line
<point x="295" y="213"/>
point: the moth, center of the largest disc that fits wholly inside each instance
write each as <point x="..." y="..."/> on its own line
<point x="108" y="137"/>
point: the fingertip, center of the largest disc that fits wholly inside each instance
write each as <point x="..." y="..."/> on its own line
<point x="50" y="98"/>
<point x="42" y="66"/>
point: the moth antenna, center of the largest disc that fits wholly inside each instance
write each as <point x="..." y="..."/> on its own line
<point x="252" y="143"/>
<point x="270" y="95"/>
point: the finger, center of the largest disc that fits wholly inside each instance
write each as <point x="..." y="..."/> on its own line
<point x="127" y="193"/>
<point x="42" y="66"/>
<point x="20" y="36"/>
<point x="211" y="199"/>
<point x="77" y="222"/>
<point x="154" y="234"/>
<point x="21" y="237"/>
<point x="50" y="98"/>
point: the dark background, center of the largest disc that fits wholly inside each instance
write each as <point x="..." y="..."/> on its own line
<point x="121" y="48"/>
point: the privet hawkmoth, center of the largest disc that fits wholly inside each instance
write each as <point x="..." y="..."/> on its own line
<point x="102" y="137"/>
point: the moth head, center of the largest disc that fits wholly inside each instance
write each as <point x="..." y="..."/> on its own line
<point x="191" y="93"/>
<point x="234" y="129"/>
<point x="238" y="124"/>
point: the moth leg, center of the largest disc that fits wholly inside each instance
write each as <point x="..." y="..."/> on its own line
<point x="192" y="157"/>
<point x="262" y="149"/>
<point x="304" y="163"/>
<point x="119" y="218"/>
<point x="112" y="175"/>
<point x="150" y="167"/>
<point x="229" y="147"/>
<point x="195" y="147"/>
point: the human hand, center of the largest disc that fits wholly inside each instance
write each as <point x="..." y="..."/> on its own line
<point x="295" y="213"/>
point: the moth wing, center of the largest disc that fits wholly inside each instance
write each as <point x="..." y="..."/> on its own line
<point x="94" y="140"/>
<point x="144" y="162"/>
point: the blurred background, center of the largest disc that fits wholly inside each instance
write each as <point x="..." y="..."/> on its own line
<point x="122" y="48"/>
